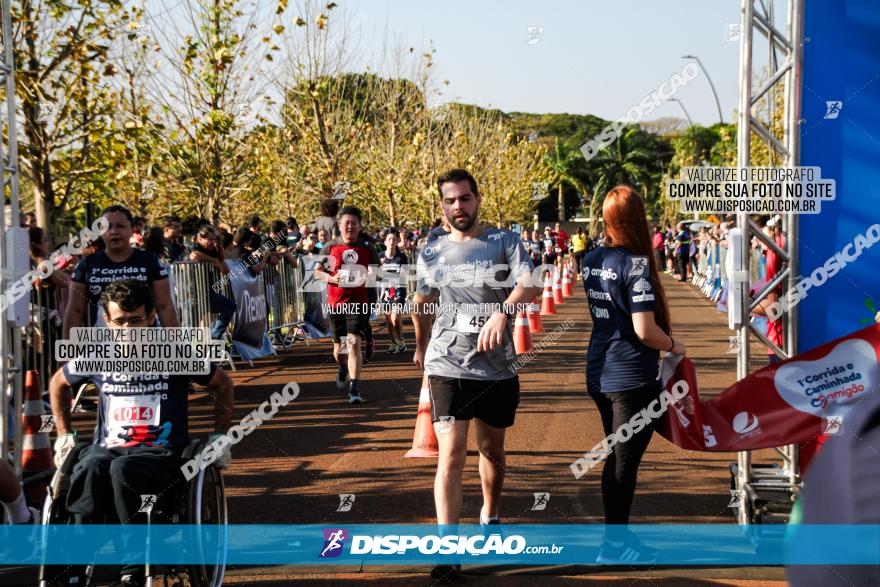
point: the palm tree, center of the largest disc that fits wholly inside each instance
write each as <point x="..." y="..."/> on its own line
<point x="627" y="160"/>
<point x="562" y="163"/>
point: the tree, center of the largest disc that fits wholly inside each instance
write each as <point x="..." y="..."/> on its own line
<point x="209" y="94"/>
<point x="62" y="51"/>
<point x="627" y="160"/>
<point x="563" y="161"/>
<point x="327" y="113"/>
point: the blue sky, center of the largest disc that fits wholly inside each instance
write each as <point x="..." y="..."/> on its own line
<point x="594" y="57"/>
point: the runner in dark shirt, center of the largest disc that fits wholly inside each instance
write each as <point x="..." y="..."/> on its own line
<point x="393" y="263"/>
<point x="630" y="326"/>
<point x="118" y="261"/>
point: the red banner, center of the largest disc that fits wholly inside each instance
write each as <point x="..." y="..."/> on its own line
<point x="787" y="403"/>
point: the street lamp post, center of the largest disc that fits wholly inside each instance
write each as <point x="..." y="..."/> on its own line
<point x="680" y="103"/>
<point x="717" y="101"/>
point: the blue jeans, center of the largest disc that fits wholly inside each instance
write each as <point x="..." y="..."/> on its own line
<point x="225" y="310"/>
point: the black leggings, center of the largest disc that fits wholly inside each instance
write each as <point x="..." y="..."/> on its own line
<point x="579" y="262"/>
<point x="622" y="465"/>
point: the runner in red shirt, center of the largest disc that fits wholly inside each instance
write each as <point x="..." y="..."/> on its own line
<point x="348" y="262"/>
<point x="562" y="240"/>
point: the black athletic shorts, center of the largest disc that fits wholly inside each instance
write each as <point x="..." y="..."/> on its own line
<point x="346" y="323"/>
<point x="493" y="402"/>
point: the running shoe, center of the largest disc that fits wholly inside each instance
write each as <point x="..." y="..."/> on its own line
<point x="629" y="553"/>
<point x="446" y="574"/>
<point x="355" y="398"/>
<point x="393" y="349"/>
<point x="342" y="377"/>
<point x="401" y="348"/>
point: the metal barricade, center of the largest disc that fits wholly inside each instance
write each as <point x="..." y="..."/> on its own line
<point x="281" y="283"/>
<point x="299" y="295"/>
<point x="43" y="329"/>
<point x="191" y="288"/>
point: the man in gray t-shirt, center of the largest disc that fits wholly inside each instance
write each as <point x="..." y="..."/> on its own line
<point x="464" y="273"/>
<point x="477" y="276"/>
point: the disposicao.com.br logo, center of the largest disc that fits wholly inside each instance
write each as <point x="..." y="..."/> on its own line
<point x="431" y="544"/>
<point x="334" y="540"/>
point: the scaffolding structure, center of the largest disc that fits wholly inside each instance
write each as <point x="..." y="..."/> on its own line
<point x="10" y="331"/>
<point x="766" y="493"/>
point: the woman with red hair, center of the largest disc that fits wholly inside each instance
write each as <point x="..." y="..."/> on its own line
<point x="630" y="328"/>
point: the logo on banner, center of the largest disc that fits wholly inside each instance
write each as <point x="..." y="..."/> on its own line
<point x="746" y="423"/>
<point x="334" y="539"/>
<point x="828" y="386"/>
<point x="349" y="256"/>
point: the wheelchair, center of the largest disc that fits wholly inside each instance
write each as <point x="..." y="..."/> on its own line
<point x="202" y="501"/>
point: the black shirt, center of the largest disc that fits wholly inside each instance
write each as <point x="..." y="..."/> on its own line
<point x="618" y="284"/>
<point x="97" y="270"/>
<point x="173" y="250"/>
<point x="391" y="267"/>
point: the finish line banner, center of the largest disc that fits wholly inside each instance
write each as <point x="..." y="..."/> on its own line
<point x="787" y="403"/>
<point x="678" y="544"/>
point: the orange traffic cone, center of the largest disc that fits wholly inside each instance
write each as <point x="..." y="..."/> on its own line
<point x="424" y="439"/>
<point x="548" y="305"/>
<point x="534" y="315"/>
<point x="522" y="338"/>
<point x="557" y="288"/>
<point x="36" y="454"/>
<point x="567" y="291"/>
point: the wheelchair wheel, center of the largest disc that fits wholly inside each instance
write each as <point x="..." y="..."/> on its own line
<point x="54" y="512"/>
<point x="207" y="507"/>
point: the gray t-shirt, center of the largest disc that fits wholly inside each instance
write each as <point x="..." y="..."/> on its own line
<point x="460" y="272"/>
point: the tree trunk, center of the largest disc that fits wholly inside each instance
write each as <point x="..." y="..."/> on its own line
<point x="561" y="201"/>
<point x="392" y="209"/>
<point x="595" y="206"/>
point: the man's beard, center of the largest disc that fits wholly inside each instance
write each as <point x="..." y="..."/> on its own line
<point x="463" y="224"/>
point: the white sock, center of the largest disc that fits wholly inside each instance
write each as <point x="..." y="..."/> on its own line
<point x="485" y="519"/>
<point x="17" y="511"/>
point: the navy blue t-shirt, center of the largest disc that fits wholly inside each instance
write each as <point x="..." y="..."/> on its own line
<point x="141" y="410"/>
<point x="97" y="271"/>
<point x="618" y="285"/>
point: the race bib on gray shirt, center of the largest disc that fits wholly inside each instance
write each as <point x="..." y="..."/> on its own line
<point x="473" y="279"/>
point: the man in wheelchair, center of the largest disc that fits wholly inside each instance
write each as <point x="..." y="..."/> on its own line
<point x="141" y="430"/>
